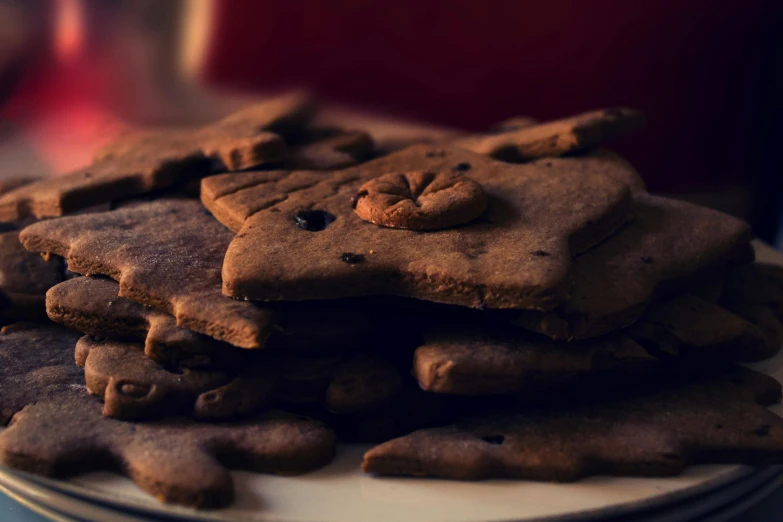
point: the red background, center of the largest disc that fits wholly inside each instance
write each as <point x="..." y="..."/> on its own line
<point x="696" y="67"/>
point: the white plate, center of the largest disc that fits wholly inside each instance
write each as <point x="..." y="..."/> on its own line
<point x="341" y="493"/>
<point x="743" y="492"/>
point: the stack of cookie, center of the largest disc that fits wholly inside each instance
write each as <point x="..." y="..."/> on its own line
<point x="508" y="304"/>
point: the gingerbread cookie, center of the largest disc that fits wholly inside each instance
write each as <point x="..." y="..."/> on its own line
<point x="165" y="254"/>
<point x="364" y="382"/>
<point x="9" y="184"/>
<point x="177" y="461"/>
<point x="133" y="386"/>
<point x="717" y="420"/>
<point x="556" y="138"/>
<point x="344" y="386"/>
<point x="299" y="237"/>
<point x="654" y="254"/>
<point x="92" y="305"/>
<point x="326" y="148"/>
<point x="36" y="361"/>
<point x="481" y="361"/>
<point x="58" y="430"/>
<point x="24" y="279"/>
<point x="708" y="331"/>
<point x="160" y="159"/>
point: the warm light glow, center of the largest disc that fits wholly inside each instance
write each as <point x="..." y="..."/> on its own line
<point x="69" y="28"/>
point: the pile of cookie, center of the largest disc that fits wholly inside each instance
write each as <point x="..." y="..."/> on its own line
<point x="243" y="295"/>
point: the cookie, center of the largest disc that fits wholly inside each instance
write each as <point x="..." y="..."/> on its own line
<point x="283" y="115"/>
<point x="325" y="148"/>
<point x="36" y="361"/>
<point x="717" y="420"/>
<point x="91" y="305"/>
<point x="58" y="430"/>
<point x="556" y="138"/>
<point x="341" y="385"/>
<point x="24" y="279"/>
<point x="362" y="383"/>
<point x="765" y="318"/>
<point x="134" y="387"/>
<point x="653" y="255"/>
<point x="177" y="461"/>
<point x="709" y="331"/>
<point x="166" y="254"/>
<point x="465" y="360"/>
<point x="513" y="124"/>
<point x="299" y="237"/>
<point x="9" y="184"/>
<point x="388" y="134"/>
<point x="161" y="159"/>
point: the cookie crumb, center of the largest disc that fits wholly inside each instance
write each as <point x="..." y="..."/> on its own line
<point x="351" y="258"/>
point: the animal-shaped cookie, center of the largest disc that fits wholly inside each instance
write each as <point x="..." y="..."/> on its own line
<point x="667" y="242"/>
<point x="300" y="238"/>
<point x="166" y="254"/>
<point x="134" y="386"/>
<point x="524" y="141"/>
<point x="710" y="420"/>
<point x="159" y="159"/>
<point x="58" y="430"/>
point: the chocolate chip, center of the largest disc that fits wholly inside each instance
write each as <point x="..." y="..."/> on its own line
<point x="762" y="431"/>
<point x="540" y="253"/>
<point x="313" y="220"/>
<point x="351" y="258"/>
<point x="647" y="259"/>
<point x="356" y="197"/>
<point x="548" y="163"/>
<point x="462" y="167"/>
<point x="497" y="440"/>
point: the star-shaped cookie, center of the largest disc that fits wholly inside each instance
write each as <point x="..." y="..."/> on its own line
<point x="299" y="237"/>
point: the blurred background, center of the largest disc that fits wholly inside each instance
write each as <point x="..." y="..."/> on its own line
<point x="708" y="74"/>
